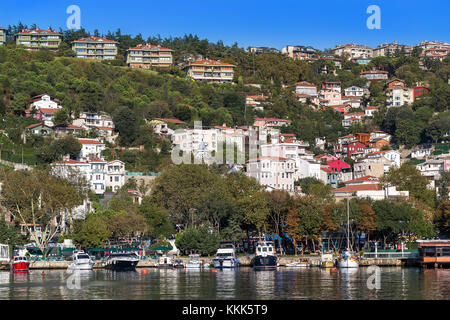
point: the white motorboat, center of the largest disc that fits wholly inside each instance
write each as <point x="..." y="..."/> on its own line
<point x="81" y="261"/>
<point x="194" y="262"/>
<point x="165" y="262"/>
<point x="226" y="256"/>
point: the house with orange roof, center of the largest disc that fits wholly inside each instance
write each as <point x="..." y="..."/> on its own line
<point x="390" y="158"/>
<point x="36" y="39"/>
<point x="90" y="149"/>
<point x="372" y="191"/>
<point x="369" y="111"/>
<point x="98" y="48"/>
<point x="65" y="129"/>
<point x="275" y="173"/>
<point x="256" y="102"/>
<point x="210" y="71"/>
<point x="148" y="55"/>
<point x="351" y="118"/>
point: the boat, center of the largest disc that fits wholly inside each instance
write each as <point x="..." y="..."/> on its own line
<point x="165" y="262"/>
<point x="226" y="256"/>
<point x="178" y="263"/>
<point x="302" y="263"/>
<point x="20" y="264"/>
<point x="326" y="260"/>
<point x="81" y="261"/>
<point x="265" y="257"/>
<point x="348" y="259"/>
<point x="194" y="262"/>
<point x="121" y="262"/>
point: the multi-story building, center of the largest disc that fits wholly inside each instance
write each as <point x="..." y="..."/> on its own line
<point x="370" y="110"/>
<point x="256" y="102"/>
<point x="373" y="75"/>
<point x="389" y="49"/>
<point x="2" y="36"/>
<point x="301" y="52"/>
<point x="210" y="71"/>
<point x="273" y="172"/>
<point x="115" y="175"/>
<point x="398" y="94"/>
<point x="37" y="39"/>
<point x="90" y="149"/>
<point x="432" y="170"/>
<point x="262" y="50"/>
<point x="362" y="168"/>
<point x="355" y="91"/>
<point x="43" y="108"/>
<point x="353" y="50"/>
<point x="148" y="55"/>
<point x="98" y="173"/>
<point x="94" y="120"/>
<point x="304" y="87"/>
<point x="390" y="158"/>
<point x="95" y="48"/>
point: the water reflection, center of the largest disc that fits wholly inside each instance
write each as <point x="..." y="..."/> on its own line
<point x="242" y="283"/>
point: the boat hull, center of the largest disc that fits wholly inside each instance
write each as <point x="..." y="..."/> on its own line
<point x="348" y="263"/>
<point x="21" y="266"/>
<point x="225" y="263"/>
<point x="260" y="262"/>
<point x="122" y="265"/>
<point x="81" y="266"/>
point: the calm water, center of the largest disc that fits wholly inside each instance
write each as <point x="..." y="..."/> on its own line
<point x="243" y="283"/>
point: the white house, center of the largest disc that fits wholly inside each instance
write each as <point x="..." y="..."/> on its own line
<point x="273" y="172"/>
<point x="370" y="110"/>
<point x="115" y="175"/>
<point x="90" y="149"/>
<point x="431" y="169"/>
<point x="354" y="91"/>
<point x="44" y="102"/>
<point x="422" y="151"/>
<point x="365" y="190"/>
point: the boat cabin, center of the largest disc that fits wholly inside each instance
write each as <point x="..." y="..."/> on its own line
<point x="265" y="248"/>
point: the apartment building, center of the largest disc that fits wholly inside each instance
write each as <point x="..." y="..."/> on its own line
<point x="262" y="50"/>
<point x="98" y="173"/>
<point x="301" y="52"/>
<point x="304" y="87"/>
<point x="256" y="102"/>
<point x="373" y="75"/>
<point x="95" y="48"/>
<point x="353" y="50"/>
<point x="273" y="172"/>
<point x="432" y="170"/>
<point x="2" y="36"/>
<point x="389" y="49"/>
<point x="37" y="39"/>
<point x="210" y="71"/>
<point x="196" y="140"/>
<point x="355" y="91"/>
<point x="148" y="55"/>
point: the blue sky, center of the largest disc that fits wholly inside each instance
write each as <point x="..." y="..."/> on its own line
<point x="321" y="24"/>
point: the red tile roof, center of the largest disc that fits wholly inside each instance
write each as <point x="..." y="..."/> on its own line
<point x="82" y="141"/>
<point x="358" y="187"/>
<point x="94" y="39"/>
<point x="150" y="47"/>
<point x="207" y="62"/>
<point x="362" y="179"/>
<point x="170" y="120"/>
<point x="38" y="31"/>
<point x="48" y="110"/>
<point x="70" y="162"/>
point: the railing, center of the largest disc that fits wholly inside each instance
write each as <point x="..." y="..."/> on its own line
<point x="391" y="255"/>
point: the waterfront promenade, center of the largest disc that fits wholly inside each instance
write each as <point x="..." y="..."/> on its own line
<point x="245" y="262"/>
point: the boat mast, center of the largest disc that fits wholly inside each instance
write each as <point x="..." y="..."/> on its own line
<point x="348" y="225"/>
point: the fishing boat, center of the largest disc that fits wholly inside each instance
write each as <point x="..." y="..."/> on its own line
<point x="121" y="262"/>
<point x="348" y="259"/>
<point x="165" y="262"/>
<point x="194" y="262"/>
<point x="265" y="257"/>
<point x="226" y="256"/>
<point x="81" y="261"/>
<point x="20" y="264"/>
<point x="302" y="263"/>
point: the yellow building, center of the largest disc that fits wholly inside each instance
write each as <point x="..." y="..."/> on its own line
<point x="210" y="70"/>
<point x="95" y="48"/>
<point x="148" y="55"/>
<point x="37" y="39"/>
